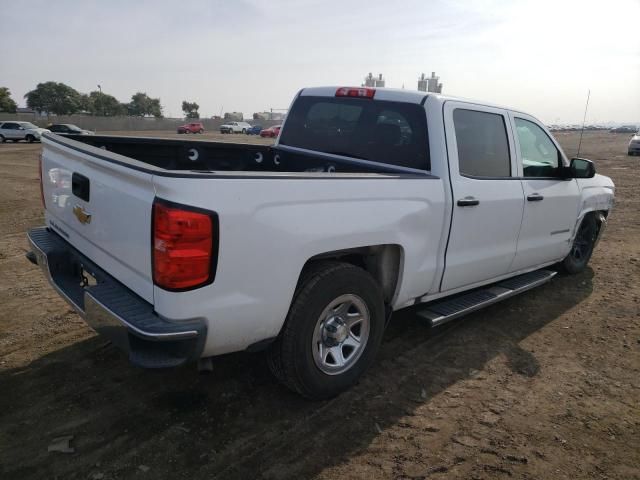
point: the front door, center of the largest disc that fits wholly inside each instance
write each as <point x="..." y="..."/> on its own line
<point x="487" y="195"/>
<point x="551" y="202"/>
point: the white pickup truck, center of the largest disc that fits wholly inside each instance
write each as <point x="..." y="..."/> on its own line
<point x="371" y="200"/>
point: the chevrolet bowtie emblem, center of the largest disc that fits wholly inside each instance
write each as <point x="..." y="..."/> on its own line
<point x="82" y="216"/>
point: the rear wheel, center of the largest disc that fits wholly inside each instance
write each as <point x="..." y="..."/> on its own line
<point x="244" y="130"/>
<point x="332" y="332"/>
<point x="582" y="247"/>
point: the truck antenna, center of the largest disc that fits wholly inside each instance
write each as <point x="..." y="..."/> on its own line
<point x="584" y="119"/>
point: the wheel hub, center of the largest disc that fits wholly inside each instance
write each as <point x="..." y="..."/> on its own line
<point x="341" y="334"/>
<point x="334" y="332"/>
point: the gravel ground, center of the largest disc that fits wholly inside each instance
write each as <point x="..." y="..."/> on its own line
<point x="542" y="386"/>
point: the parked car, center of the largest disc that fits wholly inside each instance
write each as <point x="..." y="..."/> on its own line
<point x="235" y="127"/>
<point x="271" y="131"/>
<point x="634" y="145"/>
<point x="254" y="130"/>
<point x="16" y="131"/>
<point x="624" y="129"/>
<point x="193" y="127"/>
<point x="68" y="129"/>
<point x="306" y="247"/>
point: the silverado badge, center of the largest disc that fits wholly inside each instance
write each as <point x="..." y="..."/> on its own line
<point x="82" y="216"/>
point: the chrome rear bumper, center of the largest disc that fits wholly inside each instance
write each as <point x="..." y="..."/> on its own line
<point x="113" y="310"/>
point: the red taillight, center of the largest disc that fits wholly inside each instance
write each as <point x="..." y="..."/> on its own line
<point x="183" y="246"/>
<point x="355" y="92"/>
<point x="41" y="184"/>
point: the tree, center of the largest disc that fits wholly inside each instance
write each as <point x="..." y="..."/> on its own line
<point x="103" y="104"/>
<point x="142" y="105"/>
<point x="190" y="109"/>
<point x="54" y="97"/>
<point x="7" y="103"/>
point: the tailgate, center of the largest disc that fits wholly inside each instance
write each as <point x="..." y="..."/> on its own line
<point x="102" y="207"/>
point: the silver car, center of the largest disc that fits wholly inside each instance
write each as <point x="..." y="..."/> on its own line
<point x="16" y="131"/>
<point x="634" y="145"/>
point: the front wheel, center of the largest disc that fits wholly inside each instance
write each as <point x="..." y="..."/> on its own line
<point x="30" y="138"/>
<point x="2" y="139"/>
<point x="582" y="247"/>
<point x="332" y="332"/>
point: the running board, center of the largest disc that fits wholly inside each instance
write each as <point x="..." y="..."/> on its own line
<point x="442" y="311"/>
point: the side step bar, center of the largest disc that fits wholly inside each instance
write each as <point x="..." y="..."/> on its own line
<point x="440" y="312"/>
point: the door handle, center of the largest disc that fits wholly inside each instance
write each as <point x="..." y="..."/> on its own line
<point x="468" y="202"/>
<point x="535" y="197"/>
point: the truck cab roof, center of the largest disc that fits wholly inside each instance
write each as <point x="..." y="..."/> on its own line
<point x="397" y="95"/>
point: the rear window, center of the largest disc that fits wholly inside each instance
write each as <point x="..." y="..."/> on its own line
<point x="394" y="133"/>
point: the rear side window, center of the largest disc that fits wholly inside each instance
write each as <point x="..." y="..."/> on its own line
<point x="483" y="148"/>
<point x="394" y="133"/>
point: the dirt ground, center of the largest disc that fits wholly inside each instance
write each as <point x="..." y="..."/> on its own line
<point x="543" y="386"/>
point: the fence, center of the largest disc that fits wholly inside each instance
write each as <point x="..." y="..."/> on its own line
<point x="106" y="124"/>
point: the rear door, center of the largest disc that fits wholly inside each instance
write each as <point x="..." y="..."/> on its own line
<point x="487" y="195"/>
<point x="551" y="202"/>
<point x="100" y="207"/>
<point x="11" y="130"/>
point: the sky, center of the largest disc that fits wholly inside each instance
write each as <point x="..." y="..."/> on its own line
<point x="539" y="56"/>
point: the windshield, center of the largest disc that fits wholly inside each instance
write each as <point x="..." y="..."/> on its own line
<point x="28" y="125"/>
<point x="381" y="131"/>
<point x="73" y="127"/>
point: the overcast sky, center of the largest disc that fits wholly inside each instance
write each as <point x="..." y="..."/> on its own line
<point x="540" y="56"/>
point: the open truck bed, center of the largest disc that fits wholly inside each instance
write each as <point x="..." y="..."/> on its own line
<point x="208" y="156"/>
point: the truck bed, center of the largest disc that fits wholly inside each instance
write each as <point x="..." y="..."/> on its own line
<point x="208" y="156"/>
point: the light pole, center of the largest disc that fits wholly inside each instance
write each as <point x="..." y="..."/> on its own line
<point x="100" y="88"/>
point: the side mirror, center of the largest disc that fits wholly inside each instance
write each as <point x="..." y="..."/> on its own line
<point x="582" y="168"/>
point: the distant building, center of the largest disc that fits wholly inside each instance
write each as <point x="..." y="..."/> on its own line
<point x="234" y="116"/>
<point x="269" y="115"/>
<point x="429" y="84"/>
<point x="371" y="81"/>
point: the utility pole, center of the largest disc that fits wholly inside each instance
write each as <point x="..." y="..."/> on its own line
<point x="100" y="88"/>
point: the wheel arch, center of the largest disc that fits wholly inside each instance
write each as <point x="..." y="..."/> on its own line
<point x="382" y="262"/>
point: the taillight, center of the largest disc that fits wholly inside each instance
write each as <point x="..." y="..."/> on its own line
<point x="40" y="177"/>
<point x="355" y="92"/>
<point x="184" y="246"/>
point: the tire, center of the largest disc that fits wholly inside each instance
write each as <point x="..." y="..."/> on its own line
<point x="2" y="139"/>
<point x="201" y="131"/>
<point x="302" y="357"/>
<point x="244" y="131"/>
<point x="582" y="247"/>
<point x="30" y="138"/>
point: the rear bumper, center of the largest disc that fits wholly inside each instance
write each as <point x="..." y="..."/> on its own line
<point x="113" y="310"/>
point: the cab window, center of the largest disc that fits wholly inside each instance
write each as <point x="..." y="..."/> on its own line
<point x="539" y="155"/>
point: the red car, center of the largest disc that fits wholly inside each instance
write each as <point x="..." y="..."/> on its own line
<point x="271" y="131"/>
<point x="195" y="127"/>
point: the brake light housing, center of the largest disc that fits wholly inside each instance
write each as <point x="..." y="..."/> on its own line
<point x="357" y="92"/>
<point x="184" y="246"/>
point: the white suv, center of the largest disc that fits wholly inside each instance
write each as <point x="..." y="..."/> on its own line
<point x="16" y="131"/>
<point x="235" y="127"/>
